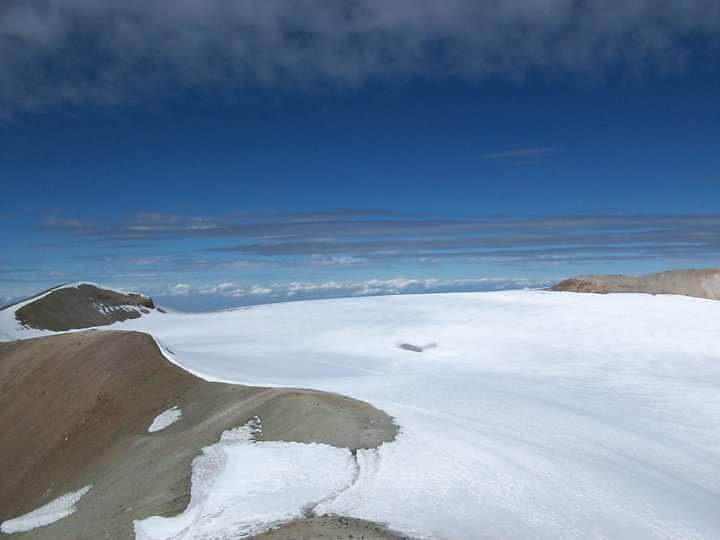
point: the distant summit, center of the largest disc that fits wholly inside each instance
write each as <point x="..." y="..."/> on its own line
<point x="79" y="305"/>
<point x="698" y="283"/>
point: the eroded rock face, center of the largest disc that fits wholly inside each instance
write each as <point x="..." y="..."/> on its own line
<point x="75" y="410"/>
<point x="82" y="306"/>
<point x="698" y="283"/>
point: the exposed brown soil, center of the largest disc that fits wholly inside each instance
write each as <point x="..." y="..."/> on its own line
<point x="698" y="283"/>
<point x="83" y="306"/>
<point x="330" y="528"/>
<point x="75" y="408"/>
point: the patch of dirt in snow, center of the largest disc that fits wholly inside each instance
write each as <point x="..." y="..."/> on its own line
<point x="417" y="348"/>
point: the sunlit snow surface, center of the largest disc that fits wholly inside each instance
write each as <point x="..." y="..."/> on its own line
<point x="45" y="515"/>
<point x="165" y="419"/>
<point x="539" y="415"/>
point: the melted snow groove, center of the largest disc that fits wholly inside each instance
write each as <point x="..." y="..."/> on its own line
<point x="310" y="510"/>
<point x="365" y="467"/>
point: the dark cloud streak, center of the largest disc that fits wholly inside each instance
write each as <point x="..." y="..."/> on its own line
<point x="524" y="154"/>
<point x="338" y="239"/>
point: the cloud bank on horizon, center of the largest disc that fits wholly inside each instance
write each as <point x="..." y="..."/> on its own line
<point x="246" y="258"/>
<point x="76" y="52"/>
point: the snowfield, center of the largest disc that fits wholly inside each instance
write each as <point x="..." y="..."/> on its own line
<point x="537" y="415"/>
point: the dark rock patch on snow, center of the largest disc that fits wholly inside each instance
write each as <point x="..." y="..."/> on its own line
<point x="416" y="348"/>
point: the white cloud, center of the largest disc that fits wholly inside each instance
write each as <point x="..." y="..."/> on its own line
<point x="181" y="289"/>
<point x="336" y="260"/>
<point x="226" y="286"/>
<point x="324" y="289"/>
<point x="260" y="291"/>
<point x="107" y="52"/>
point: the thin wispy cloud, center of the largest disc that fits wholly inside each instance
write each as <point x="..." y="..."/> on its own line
<point x="103" y="52"/>
<point x="524" y="154"/>
<point x="360" y="239"/>
<point x="52" y="222"/>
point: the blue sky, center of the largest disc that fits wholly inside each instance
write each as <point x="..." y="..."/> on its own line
<point x="323" y="164"/>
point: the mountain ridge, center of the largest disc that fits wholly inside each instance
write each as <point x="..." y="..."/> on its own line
<point x="79" y="305"/>
<point x="699" y="283"/>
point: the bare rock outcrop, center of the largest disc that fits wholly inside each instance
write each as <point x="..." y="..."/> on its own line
<point x="703" y="283"/>
<point x="83" y="305"/>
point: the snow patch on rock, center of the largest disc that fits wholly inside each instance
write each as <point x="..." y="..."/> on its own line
<point x="45" y="515"/>
<point x="241" y="487"/>
<point x="165" y="419"/>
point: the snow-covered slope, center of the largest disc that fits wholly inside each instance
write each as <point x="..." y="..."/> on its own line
<point x="537" y="415"/>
